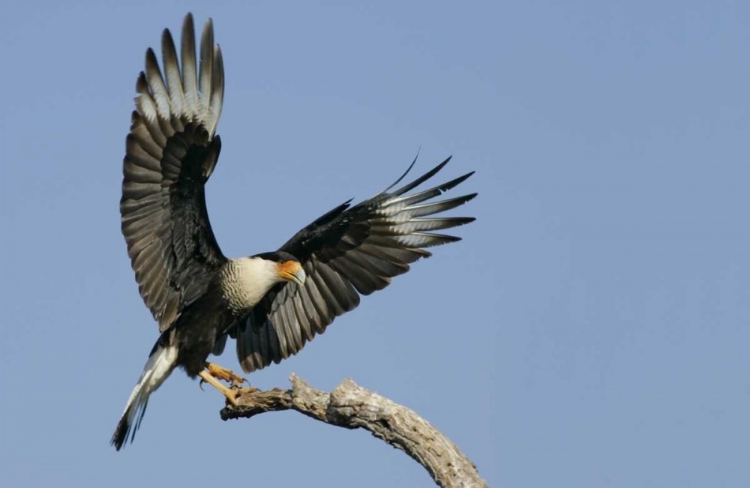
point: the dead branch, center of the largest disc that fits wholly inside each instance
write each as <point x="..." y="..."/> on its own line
<point x="351" y="406"/>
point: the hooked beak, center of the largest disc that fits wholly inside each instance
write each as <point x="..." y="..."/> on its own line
<point x="292" y="271"/>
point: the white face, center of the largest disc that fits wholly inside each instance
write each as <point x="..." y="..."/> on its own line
<point x="251" y="278"/>
<point x="260" y="272"/>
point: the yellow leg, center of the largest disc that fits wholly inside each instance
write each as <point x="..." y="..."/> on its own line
<point x="224" y="374"/>
<point x="227" y="392"/>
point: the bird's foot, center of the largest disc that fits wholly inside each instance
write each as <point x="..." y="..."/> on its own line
<point x="230" y="393"/>
<point x="225" y="374"/>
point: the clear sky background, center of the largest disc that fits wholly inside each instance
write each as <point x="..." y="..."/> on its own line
<point x="591" y="329"/>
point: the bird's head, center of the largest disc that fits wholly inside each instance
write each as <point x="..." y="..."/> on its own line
<point x="285" y="266"/>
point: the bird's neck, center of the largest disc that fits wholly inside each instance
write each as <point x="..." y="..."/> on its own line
<point x="245" y="281"/>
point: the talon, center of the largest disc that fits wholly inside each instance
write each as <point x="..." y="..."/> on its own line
<point x="225" y="374"/>
<point x="230" y="394"/>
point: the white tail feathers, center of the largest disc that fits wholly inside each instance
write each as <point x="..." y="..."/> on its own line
<point x="160" y="365"/>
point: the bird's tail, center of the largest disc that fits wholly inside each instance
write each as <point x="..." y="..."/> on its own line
<point x="159" y="366"/>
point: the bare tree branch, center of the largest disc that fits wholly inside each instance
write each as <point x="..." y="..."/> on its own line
<point x="351" y="406"/>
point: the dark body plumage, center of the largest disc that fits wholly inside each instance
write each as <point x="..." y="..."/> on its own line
<point x="196" y="329"/>
<point x="271" y="303"/>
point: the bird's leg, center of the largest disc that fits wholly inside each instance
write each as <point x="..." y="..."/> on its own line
<point x="214" y="371"/>
<point x="230" y="393"/>
<point x="225" y="374"/>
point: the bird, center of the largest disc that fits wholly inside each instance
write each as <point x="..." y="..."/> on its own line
<point x="271" y="303"/>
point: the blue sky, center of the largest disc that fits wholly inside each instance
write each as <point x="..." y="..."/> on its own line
<point x="591" y="329"/>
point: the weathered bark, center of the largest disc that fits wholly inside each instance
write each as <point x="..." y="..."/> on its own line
<point x="351" y="406"/>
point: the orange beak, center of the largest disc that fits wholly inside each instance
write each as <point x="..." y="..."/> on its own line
<point x="292" y="271"/>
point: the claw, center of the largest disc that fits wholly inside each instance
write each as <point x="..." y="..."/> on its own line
<point x="230" y="394"/>
<point x="225" y="374"/>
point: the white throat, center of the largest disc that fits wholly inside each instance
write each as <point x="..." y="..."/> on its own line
<point x="245" y="281"/>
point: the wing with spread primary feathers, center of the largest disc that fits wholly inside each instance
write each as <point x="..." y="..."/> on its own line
<point x="348" y="252"/>
<point x="171" y="151"/>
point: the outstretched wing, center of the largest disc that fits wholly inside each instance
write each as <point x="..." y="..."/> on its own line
<point x="170" y="154"/>
<point x="345" y="253"/>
